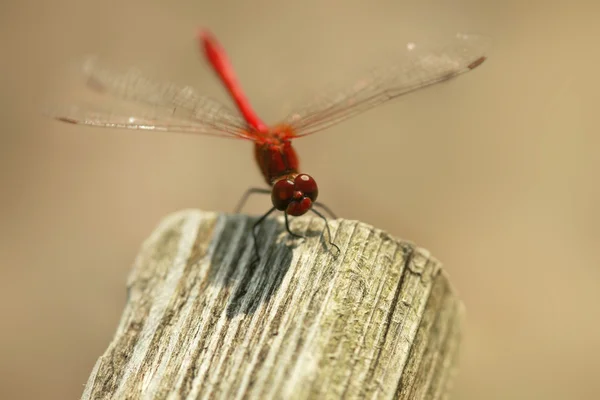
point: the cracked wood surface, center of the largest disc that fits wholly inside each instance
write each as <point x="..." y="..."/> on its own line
<point x="379" y="321"/>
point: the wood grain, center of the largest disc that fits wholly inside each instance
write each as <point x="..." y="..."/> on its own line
<point x="202" y="320"/>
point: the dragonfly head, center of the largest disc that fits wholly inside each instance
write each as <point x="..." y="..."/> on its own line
<point x="295" y="194"/>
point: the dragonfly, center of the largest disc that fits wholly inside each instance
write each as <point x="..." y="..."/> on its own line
<point x="173" y="108"/>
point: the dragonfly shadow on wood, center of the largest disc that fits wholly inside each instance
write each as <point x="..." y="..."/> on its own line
<point x="240" y="280"/>
<point x="236" y="279"/>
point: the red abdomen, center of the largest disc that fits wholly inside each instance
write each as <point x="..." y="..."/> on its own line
<point x="276" y="160"/>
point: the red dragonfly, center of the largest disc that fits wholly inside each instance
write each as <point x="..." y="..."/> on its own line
<point x="184" y="109"/>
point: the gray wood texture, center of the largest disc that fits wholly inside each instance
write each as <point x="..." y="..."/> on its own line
<point x="380" y="320"/>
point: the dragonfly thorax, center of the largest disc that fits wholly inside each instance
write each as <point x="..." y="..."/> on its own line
<point x="294" y="194"/>
<point x="276" y="159"/>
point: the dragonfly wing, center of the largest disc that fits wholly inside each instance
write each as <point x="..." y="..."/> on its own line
<point x="419" y="66"/>
<point x="152" y="119"/>
<point x="159" y="105"/>
<point x="131" y="85"/>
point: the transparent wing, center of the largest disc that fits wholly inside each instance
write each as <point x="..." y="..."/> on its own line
<point x="160" y="106"/>
<point x="419" y="66"/>
<point x="154" y="120"/>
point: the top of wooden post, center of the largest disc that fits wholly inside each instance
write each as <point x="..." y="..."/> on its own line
<point x="202" y="321"/>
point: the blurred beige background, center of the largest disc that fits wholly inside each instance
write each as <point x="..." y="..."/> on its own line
<point x="496" y="173"/>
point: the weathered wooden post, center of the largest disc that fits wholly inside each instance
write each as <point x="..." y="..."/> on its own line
<point x="379" y="321"/>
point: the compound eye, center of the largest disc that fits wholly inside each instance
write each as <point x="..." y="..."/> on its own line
<point x="307" y="185"/>
<point x="282" y="193"/>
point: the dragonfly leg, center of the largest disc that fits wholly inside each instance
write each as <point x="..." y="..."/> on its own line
<point x="287" y="226"/>
<point x="256" y="225"/>
<point x="328" y="230"/>
<point x="248" y="193"/>
<point x="324" y="207"/>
